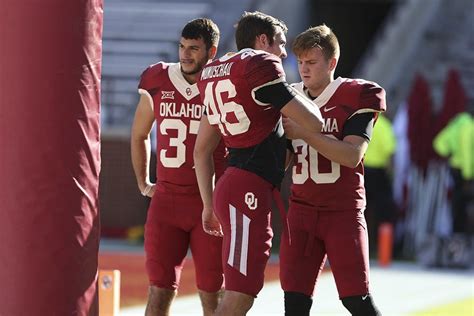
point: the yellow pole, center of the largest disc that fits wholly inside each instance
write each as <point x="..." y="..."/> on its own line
<point x="109" y="292"/>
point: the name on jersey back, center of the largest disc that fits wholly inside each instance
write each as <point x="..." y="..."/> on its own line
<point x="216" y="71"/>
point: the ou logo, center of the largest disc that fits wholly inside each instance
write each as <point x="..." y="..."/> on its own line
<point x="251" y="200"/>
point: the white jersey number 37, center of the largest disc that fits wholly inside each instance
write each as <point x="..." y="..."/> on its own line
<point x="182" y="131"/>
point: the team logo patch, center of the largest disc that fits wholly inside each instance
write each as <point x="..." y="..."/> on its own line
<point x="251" y="200"/>
<point x="167" y="94"/>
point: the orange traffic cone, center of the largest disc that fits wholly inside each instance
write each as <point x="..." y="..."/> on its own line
<point x="385" y="244"/>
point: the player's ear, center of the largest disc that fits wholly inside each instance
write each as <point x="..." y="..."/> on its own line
<point x="332" y="63"/>
<point x="211" y="53"/>
<point x="261" y="41"/>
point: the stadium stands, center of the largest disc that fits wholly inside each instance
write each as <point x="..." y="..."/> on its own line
<point x="137" y="34"/>
<point x="427" y="37"/>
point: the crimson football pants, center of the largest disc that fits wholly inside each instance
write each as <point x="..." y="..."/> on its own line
<point x="242" y="202"/>
<point x="313" y="235"/>
<point x="173" y="225"/>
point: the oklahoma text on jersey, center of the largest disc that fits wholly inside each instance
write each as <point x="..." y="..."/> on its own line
<point x="171" y="109"/>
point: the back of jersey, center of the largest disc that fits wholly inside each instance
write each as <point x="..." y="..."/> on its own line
<point x="228" y="86"/>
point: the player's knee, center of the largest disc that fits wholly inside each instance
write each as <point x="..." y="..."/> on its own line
<point x="209" y="301"/>
<point x="210" y="283"/>
<point x="361" y="305"/>
<point x="297" y="304"/>
<point x="159" y="300"/>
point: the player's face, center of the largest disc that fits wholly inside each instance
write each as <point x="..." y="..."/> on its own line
<point x="315" y="70"/>
<point x="278" y="46"/>
<point x="193" y="55"/>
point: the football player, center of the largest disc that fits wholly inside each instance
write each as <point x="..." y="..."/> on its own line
<point x="327" y="201"/>
<point x="245" y="94"/>
<point x="169" y="96"/>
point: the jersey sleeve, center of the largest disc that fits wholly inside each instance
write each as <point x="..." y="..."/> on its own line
<point x="263" y="69"/>
<point x="277" y="94"/>
<point x="150" y="79"/>
<point x="266" y="78"/>
<point x="372" y="98"/>
<point x="361" y="124"/>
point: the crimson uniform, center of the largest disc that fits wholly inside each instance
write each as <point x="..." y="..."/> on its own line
<point x="327" y="202"/>
<point x="253" y="134"/>
<point x="174" y="216"/>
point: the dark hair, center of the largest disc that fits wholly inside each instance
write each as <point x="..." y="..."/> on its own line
<point x="253" y="24"/>
<point x="319" y="36"/>
<point x="202" y="28"/>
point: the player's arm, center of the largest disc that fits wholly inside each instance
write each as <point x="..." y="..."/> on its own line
<point x="303" y="112"/>
<point x="291" y="104"/>
<point x="347" y="152"/>
<point x="207" y="141"/>
<point x="140" y="143"/>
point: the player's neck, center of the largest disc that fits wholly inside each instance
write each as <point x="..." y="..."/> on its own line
<point x="190" y="78"/>
<point x="316" y="90"/>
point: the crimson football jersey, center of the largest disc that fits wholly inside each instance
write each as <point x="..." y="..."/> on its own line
<point x="318" y="181"/>
<point x="228" y="87"/>
<point x="178" y="110"/>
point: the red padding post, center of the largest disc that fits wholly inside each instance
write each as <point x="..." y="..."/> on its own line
<point x="50" y="67"/>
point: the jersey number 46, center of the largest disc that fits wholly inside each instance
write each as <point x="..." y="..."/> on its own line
<point x="229" y="116"/>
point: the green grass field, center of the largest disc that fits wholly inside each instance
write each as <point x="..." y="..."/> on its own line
<point x="460" y="308"/>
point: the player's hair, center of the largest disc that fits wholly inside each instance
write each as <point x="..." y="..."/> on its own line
<point x="319" y="36"/>
<point x="202" y="28"/>
<point x="253" y="24"/>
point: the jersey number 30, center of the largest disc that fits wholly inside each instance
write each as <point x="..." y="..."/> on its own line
<point x="307" y="159"/>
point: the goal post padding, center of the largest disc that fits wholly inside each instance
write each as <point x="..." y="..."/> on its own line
<point x="50" y="67"/>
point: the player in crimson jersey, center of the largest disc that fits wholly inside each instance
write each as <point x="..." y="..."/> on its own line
<point x="169" y="96"/>
<point x="326" y="214"/>
<point x="245" y="94"/>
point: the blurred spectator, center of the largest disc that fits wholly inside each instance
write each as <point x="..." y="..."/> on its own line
<point x="456" y="141"/>
<point x="378" y="185"/>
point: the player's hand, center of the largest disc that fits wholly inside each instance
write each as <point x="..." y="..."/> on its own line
<point x="152" y="190"/>
<point x="210" y="223"/>
<point x="149" y="190"/>
<point x="292" y="130"/>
